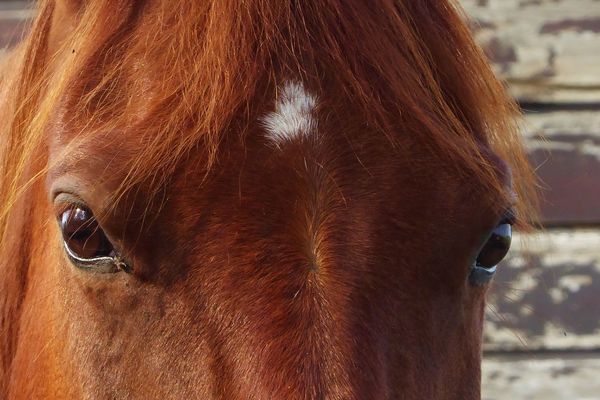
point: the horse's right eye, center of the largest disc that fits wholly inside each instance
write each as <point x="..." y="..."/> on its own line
<point x="85" y="242"/>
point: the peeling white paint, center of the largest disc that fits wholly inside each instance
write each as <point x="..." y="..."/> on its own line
<point x="574" y="283"/>
<point x="557" y="263"/>
<point x="533" y="377"/>
<point x="526" y="311"/>
<point x="586" y="148"/>
<point x="557" y="295"/>
<point x="558" y="247"/>
<point x="503" y="337"/>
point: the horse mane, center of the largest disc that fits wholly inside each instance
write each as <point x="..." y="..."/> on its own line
<point x="408" y="66"/>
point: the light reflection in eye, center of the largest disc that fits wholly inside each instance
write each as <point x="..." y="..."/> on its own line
<point x="86" y="243"/>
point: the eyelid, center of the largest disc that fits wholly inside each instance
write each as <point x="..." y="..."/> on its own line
<point x="509" y="217"/>
<point x="97" y="264"/>
<point x="65" y="201"/>
<point x="104" y="265"/>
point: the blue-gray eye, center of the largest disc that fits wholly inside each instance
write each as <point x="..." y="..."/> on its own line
<point x="494" y="251"/>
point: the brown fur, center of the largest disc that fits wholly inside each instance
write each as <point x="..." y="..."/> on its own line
<point x="331" y="268"/>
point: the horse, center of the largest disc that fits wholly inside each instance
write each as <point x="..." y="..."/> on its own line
<point x="258" y="199"/>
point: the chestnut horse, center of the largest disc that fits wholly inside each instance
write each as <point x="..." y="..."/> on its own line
<point x="259" y="199"/>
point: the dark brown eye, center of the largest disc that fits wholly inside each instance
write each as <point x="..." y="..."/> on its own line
<point x="85" y="242"/>
<point x="492" y="252"/>
<point x="496" y="248"/>
<point x="82" y="235"/>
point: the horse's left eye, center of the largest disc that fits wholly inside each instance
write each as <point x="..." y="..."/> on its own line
<point x="497" y="246"/>
<point x="85" y="242"/>
<point x="494" y="251"/>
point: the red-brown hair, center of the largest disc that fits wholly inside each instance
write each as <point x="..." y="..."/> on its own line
<point x="407" y="66"/>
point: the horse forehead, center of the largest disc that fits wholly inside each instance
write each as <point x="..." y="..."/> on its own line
<point x="293" y="117"/>
<point x="294" y="128"/>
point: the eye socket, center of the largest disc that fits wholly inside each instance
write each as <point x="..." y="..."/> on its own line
<point x="86" y="243"/>
<point x="493" y="251"/>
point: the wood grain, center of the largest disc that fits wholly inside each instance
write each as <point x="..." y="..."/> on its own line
<point x="545" y="295"/>
<point x="564" y="146"/>
<point x="555" y="376"/>
<point x="547" y="50"/>
<point x="15" y="18"/>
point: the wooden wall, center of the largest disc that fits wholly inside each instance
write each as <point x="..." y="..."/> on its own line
<point x="14" y="17"/>
<point x="542" y="338"/>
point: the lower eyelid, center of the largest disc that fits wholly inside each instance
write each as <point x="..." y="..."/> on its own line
<point x="100" y="264"/>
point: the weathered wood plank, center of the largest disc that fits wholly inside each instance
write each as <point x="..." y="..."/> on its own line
<point x="534" y="376"/>
<point x="546" y="295"/>
<point x="547" y="50"/>
<point x="564" y="147"/>
<point x="15" y="17"/>
<point x="11" y="31"/>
